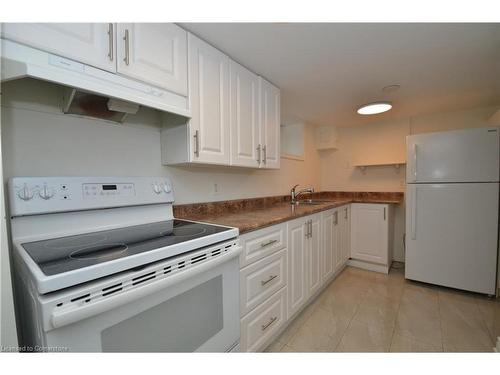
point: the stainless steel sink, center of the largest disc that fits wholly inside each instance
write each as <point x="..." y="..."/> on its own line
<point x="311" y="202"/>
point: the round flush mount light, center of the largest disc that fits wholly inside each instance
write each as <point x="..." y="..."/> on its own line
<point x="374" y="108"/>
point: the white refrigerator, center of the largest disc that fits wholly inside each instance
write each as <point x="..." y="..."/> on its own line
<point x="452" y="188"/>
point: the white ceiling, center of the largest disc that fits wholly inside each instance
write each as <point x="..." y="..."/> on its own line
<point x="326" y="71"/>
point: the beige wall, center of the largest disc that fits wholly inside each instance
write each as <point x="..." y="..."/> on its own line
<point x="384" y="142"/>
<point x="40" y="141"/>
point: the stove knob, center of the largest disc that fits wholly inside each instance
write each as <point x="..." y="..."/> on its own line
<point x="167" y="188"/>
<point x="25" y="193"/>
<point x="46" y="193"/>
<point x="157" y="188"/>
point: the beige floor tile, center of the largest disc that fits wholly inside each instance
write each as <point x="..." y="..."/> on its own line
<point x="462" y="324"/>
<point x="360" y="337"/>
<point x="381" y="317"/>
<point x="404" y="344"/>
<point x="419" y="322"/>
<point x="321" y="332"/>
<point x="288" y="349"/>
<point x="490" y="313"/>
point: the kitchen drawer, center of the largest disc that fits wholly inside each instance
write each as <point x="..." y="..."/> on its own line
<point x="261" y="243"/>
<point x="258" y="326"/>
<point x="261" y="279"/>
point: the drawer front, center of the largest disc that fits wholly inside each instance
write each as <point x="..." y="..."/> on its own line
<point x="261" y="243"/>
<point x="262" y="323"/>
<point x="261" y="279"/>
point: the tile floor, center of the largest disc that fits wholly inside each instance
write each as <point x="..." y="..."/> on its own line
<point x="363" y="311"/>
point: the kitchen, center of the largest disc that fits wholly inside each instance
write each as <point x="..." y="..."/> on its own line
<point x="323" y="257"/>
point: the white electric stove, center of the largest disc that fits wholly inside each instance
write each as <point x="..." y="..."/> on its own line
<point x="101" y="264"/>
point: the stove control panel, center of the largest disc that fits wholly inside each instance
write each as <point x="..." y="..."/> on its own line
<point x="37" y="195"/>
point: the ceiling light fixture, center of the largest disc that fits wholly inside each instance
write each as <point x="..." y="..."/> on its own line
<point x="374" y="108"/>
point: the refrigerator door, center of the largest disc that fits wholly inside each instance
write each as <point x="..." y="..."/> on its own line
<point x="451" y="235"/>
<point x="470" y="155"/>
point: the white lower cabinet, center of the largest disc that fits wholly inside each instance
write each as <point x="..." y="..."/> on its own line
<point x="370" y="240"/>
<point x="261" y="324"/>
<point x="285" y="266"/>
<point x="261" y="279"/>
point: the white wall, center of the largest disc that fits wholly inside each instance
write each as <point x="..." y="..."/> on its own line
<point x="39" y="140"/>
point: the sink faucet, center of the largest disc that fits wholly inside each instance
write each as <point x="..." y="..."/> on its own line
<point x="294" y="194"/>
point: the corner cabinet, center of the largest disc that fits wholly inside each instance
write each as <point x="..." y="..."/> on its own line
<point x="370" y="236"/>
<point x="235" y="115"/>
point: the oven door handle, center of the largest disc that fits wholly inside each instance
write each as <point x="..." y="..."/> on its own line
<point x="61" y="318"/>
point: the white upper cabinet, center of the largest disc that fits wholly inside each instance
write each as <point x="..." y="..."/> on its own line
<point x="155" y="53"/>
<point x="270" y="124"/>
<point x="370" y="232"/>
<point x="246" y="151"/>
<point x="90" y="43"/>
<point x="209" y="100"/>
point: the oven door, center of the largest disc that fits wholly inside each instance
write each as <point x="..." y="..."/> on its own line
<point x="198" y="313"/>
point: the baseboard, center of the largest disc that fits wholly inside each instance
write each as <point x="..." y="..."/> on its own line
<point x="368" y="266"/>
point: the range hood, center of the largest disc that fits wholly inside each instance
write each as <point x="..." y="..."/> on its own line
<point x="88" y="90"/>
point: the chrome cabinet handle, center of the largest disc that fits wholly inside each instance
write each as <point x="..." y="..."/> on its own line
<point x="264" y="151"/>
<point x="259" y="158"/>
<point x="345" y="210"/>
<point x="265" y="326"/>
<point x="271" y="278"/>
<point x="384" y="214"/>
<point x="336" y="217"/>
<point x="111" y="52"/>
<point x="307" y="228"/>
<point x="270" y="242"/>
<point x="126" y="38"/>
<point x="196" y="137"/>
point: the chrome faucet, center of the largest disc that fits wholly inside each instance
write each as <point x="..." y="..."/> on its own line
<point x="294" y="194"/>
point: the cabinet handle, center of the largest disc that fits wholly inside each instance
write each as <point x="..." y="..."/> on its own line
<point x="336" y="217"/>
<point x="270" y="242"/>
<point x="384" y="214"/>
<point x="345" y="215"/>
<point x="259" y="159"/>
<point x="265" y="326"/>
<point x="264" y="151"/>
<point x="271" y="278"/>
<point x="127" y="47"/>
<point x="196" y="137"/>
<point x="110" y="40"/>
<point x="307" y="229"/>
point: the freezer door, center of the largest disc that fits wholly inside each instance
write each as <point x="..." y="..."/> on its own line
<point x="451" y="235"/>
<point x="470" y="155"/>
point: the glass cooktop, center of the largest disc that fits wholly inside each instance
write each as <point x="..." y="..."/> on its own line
<point x="65" y="254"/>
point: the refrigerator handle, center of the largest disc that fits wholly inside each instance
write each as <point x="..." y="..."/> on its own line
<point x="415" y="161"/>
<point x="414" y="213"/>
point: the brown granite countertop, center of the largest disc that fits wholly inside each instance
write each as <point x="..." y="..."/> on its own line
<point x="252" y="214"/>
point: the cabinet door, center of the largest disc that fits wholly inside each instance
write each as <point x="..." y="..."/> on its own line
<point x="155" y="53"/>
<point x="88" y="43"/>
<point x="369" y="232"/>
<point x="328" y="257"/>
<point x="244" y="93"/>
<point x="337" y="243"/>
<point x="209" y="100"/>
<point x="314" y="254"/>
<point x="345" y="233"/>
<point x="270" y="124"/>
<point x="297" y="253"/>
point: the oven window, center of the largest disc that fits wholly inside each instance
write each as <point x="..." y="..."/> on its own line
<point x="181" y="324"/>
